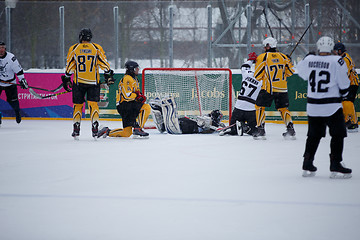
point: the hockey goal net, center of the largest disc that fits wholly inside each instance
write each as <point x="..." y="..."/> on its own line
<point x="197" y="91"/>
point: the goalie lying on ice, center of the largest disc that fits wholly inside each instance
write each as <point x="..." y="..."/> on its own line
<point x="166" y="119"/>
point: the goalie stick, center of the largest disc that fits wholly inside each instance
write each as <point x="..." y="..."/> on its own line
<point x="38" y="96"/>
<point x="43" y="89"/>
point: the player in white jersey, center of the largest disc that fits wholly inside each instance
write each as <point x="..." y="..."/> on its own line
<point x="243" y="117"/>
<point x="327" y="85"/>
<point x="9" y="69"/>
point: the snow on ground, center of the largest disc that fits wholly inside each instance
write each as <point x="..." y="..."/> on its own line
<point x="193" y="187"/>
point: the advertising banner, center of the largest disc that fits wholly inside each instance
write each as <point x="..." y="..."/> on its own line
<point x="61" y="106"/>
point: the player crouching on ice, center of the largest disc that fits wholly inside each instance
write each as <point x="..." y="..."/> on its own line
<point x="166" y="118"/>
<point x="130" y="104"/>
<point x="243" y="118"/>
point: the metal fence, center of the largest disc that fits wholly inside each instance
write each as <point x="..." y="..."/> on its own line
<point x="175" y="33"/>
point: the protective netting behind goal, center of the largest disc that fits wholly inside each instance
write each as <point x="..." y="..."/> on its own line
<point x="197" y="91"/>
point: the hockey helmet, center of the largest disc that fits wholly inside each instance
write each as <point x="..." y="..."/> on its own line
<point x="216" y="117"/>
<point x="325" y="44"/>
<point x="85" y="35"/>
<point x="339" y="46"/>
<point x="270" y="41"/>
<point x="2" y="44"/>
<point x="131" y="65"/>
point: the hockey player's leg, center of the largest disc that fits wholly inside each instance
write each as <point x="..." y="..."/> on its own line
<point x="350" y="116"/>
<point x="337" y="132"/>
<point x="156" y="113"/>
<point x="309" y="170"/>
<point x="286" y="117"/>
<point x="171" y="121"/>
<point x="144" y="115"/>
<point x="15" y="105"/>
<point x="259" y="132"/>
<point x="119" y="132"/>
<point x="94" y="116"/>
<point x="311" y="146"/>
<point x="77" y="120"/>
<point x="336" y="168"/>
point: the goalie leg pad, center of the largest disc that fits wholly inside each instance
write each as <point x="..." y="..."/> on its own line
<point x="171" y="120"/>
<point x="156" y="113"/>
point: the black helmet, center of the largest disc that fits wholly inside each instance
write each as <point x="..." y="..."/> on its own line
<point x="216" y="117"/>
<point x="85" y="35"/>
<point x="339" y="46"/>
<point x="2" y="43"/>
<point x="130" y="66"/>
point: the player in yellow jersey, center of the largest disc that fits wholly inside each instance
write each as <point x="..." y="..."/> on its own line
<point x="348" y="102"/>
<point x="130" y="105"/>
<point x="84" y="60"/>
<point x="272" y="68"/>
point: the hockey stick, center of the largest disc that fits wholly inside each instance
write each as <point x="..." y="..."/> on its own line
<point x="224" y="128"/>
<point x="267" y="22"/>
<point x="38" y="96"/>
<point x="43" y="89"/>
<point x="300" y="38"/>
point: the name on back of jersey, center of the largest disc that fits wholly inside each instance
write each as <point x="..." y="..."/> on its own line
<point x="319" y="64"/>
<point x="85" y="51"/>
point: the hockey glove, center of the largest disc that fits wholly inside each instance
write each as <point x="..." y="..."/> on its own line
<point x="67" y="85"/>
<point x="23" y="83"/>
<point x="252" y="56"/>
<point x="140" y="97"/>
<point x="109" y="77"/>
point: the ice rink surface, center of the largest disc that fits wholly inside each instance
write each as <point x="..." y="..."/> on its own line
<point x="184" y="187"/>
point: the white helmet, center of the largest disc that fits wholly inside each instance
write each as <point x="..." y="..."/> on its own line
<point x="325" y="44"/>
<point x="271" y="41"/>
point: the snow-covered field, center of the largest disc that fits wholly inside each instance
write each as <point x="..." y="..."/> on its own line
<point x="186" y="187"/>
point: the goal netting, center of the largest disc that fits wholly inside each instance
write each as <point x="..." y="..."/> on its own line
<point x="197" y="91"/>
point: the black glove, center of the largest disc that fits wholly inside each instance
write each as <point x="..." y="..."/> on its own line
<point x="109" y="77"/>
<point x="23" y="83"/>
<point x="140" y="97"/>
<point x="67" y="85"/>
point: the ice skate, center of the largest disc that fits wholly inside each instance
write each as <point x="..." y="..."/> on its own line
<point x="76" y="131"/>
<point x="353" y="127"/>
<point x="103" y="132"/>
<point x="139" y="133"/>
<point x="18" y="117"/>
<point x="339" y="171"/>
<point x="309" y="170"/>
<point x="259" y="133"/>
<point x="240" y="128"/>
<point x="290" y="132"/>
<point x="95" y="129"/>
<point x="225" y="132"/>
